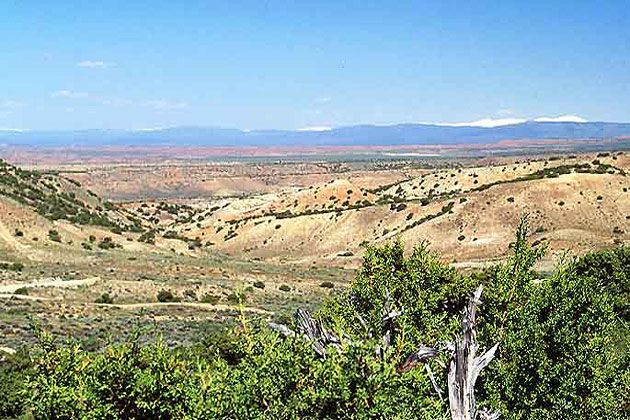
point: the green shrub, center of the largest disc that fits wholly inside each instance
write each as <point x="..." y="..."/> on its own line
<point x="22" y="291"/>
<point x="147" y="237"/>
<point x="105" y="298"/>
<point x="431" y="292"/>
<point x="563" y="350"/>
<point x="53" y="235"/>
<point x="166" y="296"/>
<point x="15" y="266"/>
<point x="190" y="294"/>
<point x="125" y="382"/>
<point x="280" y="378"/>
<point x="108" y="243"/>
<point x="14" y="371"/>
<point x="209" y="298"/>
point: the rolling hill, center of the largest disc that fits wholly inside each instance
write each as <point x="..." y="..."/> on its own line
<point x="467" y="214"/>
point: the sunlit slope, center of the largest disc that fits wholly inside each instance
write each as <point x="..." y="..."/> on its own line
<point x="467" y="214"/>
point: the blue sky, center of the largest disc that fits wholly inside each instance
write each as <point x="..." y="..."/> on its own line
<point x="289" y="64"/>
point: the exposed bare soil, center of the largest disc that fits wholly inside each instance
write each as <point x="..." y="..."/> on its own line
<point x="266" y="237"/>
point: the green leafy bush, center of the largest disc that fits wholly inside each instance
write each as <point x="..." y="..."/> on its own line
<point x="209" y="298"/>
<point x="22" y="291"/>
<point x="124" y="382"/>
<point x="16" y="266"/>
<point x="14" y="371"/>
<point x="105" y="298"/>
<point x="166" y="296"/>
<point x="563" y="350"/>
<point x="54" y="236"/>
<point x="108" y="243"/>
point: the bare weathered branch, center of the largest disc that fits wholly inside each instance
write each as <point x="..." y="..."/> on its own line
<point x="282" y="329"/>
<point x="389" y="315"/>
<point x="481" y="362"/>
<point x="367" y="329"/>
<point x="313" y="329"/>
<point x="465" y="367"/>
<point x="437" y="388"/>
<point x="419" y="356"/>
<point x="486" y="415"/>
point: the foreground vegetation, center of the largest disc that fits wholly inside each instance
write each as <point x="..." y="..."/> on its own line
<point x="563" y="352"/>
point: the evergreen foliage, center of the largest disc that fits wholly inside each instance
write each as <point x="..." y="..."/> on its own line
<point x="563" y="351"/>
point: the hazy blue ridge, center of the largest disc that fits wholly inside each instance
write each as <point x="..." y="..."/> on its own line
<point x="359" y="135"/>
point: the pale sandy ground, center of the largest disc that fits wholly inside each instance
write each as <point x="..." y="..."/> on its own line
<point x="59" y="283"/>
<point x="206" y="306"/>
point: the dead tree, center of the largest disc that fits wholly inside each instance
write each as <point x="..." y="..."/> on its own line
<point x="464" y="365"/>
<point x="388" y="316"/>
<point x="312" y="330"/>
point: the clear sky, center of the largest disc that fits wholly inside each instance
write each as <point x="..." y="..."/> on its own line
<point x="293" y="64"/>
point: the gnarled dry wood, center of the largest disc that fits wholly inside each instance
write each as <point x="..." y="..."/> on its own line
<point x="419" y="356"/>
<point x="437" y="388"/>
<point x="312" y="330"/>
<point x="463" y="370"/>
<point x="465" y="367"/>
<point x="388" y="316"/>
<point x="282" y="329"/>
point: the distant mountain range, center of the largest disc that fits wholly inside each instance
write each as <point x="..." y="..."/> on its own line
<point x="359" y="135"/>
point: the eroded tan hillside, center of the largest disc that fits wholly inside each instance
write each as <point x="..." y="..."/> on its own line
<point x="185" y="265"/>
<point x="468" y="214"/>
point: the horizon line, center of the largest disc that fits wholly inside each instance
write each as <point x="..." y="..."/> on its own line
<point x="481" y="123"/>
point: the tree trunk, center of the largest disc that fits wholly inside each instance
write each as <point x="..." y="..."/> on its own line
<point x="464" y="367"/>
